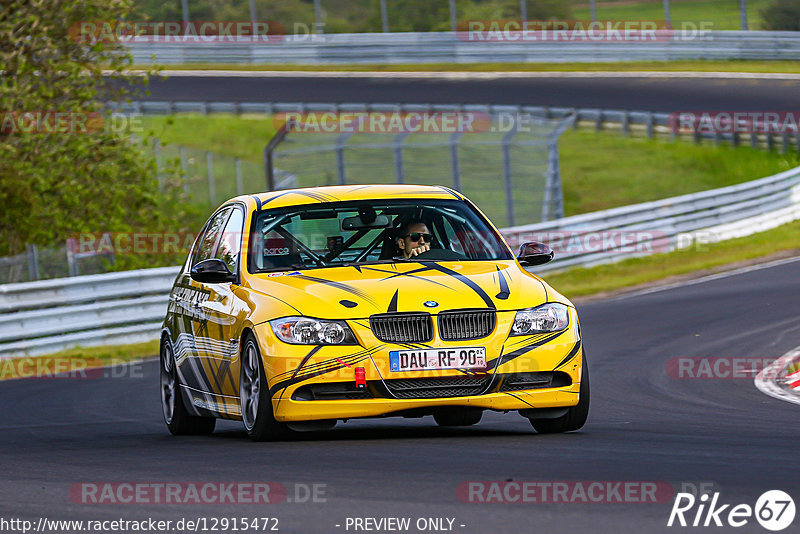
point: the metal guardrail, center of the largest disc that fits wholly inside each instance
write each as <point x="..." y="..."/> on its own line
<point x="666" y="225"/>
<point x="458" y="47"/>
<point x="127" y="307"/>
<point x="101" y="309"/>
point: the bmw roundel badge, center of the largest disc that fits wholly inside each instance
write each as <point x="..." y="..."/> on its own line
<point x="431" y="303"/>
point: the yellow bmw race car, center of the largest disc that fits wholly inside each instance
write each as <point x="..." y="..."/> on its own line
<point x="299" y="308"/>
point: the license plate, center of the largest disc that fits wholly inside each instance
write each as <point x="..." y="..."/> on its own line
<point x="425" y="359"/>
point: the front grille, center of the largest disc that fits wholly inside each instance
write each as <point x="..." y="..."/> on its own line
<point x="428" y="388"/>
<point x="538" y="380"/>
<point x="461" y="325"/>
<point x="402" y="327"/>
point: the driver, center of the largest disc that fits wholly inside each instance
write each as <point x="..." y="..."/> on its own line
<point x="414" y="239"/>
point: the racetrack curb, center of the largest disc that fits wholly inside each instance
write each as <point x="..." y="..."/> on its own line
<point x="774" y="379"/>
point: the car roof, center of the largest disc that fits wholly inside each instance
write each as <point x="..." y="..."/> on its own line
<point x="341" y="193"/>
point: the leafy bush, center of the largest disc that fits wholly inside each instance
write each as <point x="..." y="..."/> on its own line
<point x="781" y="15"/>
<point x="56" y="184"/>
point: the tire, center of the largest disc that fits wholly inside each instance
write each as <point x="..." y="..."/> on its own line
<point x="457" y="417"/>
<point x="254" y="397"/>
<point x="575" y="417"/>
<point x="179" y="421"/>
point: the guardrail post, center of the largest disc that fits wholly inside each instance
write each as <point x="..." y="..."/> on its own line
<point x="33" y="262"/>
<point x="598" y="125"/>
<point x="650" y="124"/>
<point x="753" y="139"/>
<point x="239" y="182"/>
<point x="506" y="146"/>
<point x="784" y="142"/>
<point x="182" y="152"/>
<point x="770" y="142"/>
<point x="626" y="127"/>
<point x="398" y="157"/>
<point x="157" y="150"/>
<point x="72" y="262"/>
<point x="455" y="168"/>
<point x="269" y="149"/>
<point x="384" y="17"/>
<point x="212" y="195"/>
<point x="735" y="139"/>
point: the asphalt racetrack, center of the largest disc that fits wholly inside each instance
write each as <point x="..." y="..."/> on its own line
<point x="646" y="425"/>
<point x="599" y="90"/>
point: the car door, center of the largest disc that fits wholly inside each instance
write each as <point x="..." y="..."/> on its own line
<point x="222" y="314"/>
<point x="192" y="337"/>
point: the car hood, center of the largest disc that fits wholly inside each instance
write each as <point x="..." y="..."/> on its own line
<point x="358" y="292"/>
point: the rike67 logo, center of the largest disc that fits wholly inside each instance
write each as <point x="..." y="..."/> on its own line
<point x="774" y="510"/>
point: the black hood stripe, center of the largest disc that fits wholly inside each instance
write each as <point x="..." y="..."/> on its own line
<point x="466" y="281"/>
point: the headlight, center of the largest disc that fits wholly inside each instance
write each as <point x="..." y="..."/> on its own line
<point x="307" y="331"/>
<point x="550" y="317"/>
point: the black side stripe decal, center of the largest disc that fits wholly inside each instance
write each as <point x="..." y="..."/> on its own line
<point x="305" y="359"/>
<point x="571" y="354"/>
<point x="524" y="350"/>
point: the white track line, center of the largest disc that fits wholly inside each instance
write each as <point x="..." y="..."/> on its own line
<point x="766" y="379"/>
<point x="445" y="75"/>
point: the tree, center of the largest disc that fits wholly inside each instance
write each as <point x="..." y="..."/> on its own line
<point x="80" y="177"/>
<point x="781" y="15"/>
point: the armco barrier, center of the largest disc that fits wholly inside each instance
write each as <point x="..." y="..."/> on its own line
<point x="449" y="47"/>
<point x="127" y="307"/>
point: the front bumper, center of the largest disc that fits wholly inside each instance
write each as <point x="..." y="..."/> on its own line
<point x="290" y="368"/>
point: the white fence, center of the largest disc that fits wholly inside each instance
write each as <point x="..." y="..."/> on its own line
<point x="128" y="307"/>
<point x="460" y="47"/>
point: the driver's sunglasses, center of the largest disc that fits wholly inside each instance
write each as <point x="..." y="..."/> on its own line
<point x="415" y="236"/>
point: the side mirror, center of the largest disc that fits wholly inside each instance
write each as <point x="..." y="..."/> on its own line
<point x="534" y="253"/>
<point x="212" y="271"/>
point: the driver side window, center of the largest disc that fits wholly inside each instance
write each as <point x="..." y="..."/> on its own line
<point x="207" y="243"/>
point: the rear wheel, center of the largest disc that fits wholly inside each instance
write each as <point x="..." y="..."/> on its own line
<point x="179" y="421"/>
<point x="457" y="417"/>
<point x="256" y="402"/>
<point x="576" y="415"/>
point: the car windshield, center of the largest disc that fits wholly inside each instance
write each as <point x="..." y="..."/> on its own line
<point x="356" y="233"/>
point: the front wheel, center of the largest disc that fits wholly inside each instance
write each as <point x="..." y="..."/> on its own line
<point x="254" y="397"/>
<point x="179" y="421"/>
<point x="576" y="415"/>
